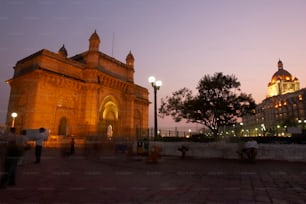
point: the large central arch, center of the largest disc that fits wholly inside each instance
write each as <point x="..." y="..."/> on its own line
<point x="108" y="115"/>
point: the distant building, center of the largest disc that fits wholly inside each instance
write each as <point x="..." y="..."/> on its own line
<point x="79" y="95"/>
<point x="283" y="109"/>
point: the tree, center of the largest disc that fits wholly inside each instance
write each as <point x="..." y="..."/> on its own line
<point x="219" y="103"/>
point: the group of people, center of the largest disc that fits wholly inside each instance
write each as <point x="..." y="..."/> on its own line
<point x="14" y="151"/>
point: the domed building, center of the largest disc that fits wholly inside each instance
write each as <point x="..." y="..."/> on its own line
<point x="282" y="112"/>
<point x="80" y="95"/>
<point x="282" y="82"/>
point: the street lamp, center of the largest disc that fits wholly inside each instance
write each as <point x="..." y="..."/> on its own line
<point x="189" y="133"/>
<point x="278" y="127"/>
<point x="156" y="85"/>
<point x="302" y="123"/>
<point x="241" y="129"/>
<point x="14" y="115"/>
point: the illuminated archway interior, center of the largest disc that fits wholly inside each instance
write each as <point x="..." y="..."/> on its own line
<point x="108" y="115"/>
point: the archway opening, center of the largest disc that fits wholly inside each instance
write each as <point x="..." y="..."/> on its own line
<point x="108" y="115"/>
<point x="63" y="127"/>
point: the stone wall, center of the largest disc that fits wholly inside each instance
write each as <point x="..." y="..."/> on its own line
<point x="287" y="152"/>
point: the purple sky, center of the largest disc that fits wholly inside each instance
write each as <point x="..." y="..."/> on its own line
<point x="177" y="41"/>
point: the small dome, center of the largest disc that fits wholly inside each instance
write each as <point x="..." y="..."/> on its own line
<point x="94" y="37"/>
<point x="62" y="51"/>
<point x="281" y="74"/>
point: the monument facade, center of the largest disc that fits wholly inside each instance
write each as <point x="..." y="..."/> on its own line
<point x="80" y="95"/>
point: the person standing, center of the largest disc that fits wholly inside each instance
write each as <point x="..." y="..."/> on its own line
<point x="39" y="143"/>
<point x="13" y="153"/>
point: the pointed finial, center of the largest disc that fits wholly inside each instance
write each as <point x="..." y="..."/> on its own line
<point x="280" y="64"/>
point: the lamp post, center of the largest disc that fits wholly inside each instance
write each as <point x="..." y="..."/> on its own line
<point x="156" y="85"/>
<point x="263" y="128"/>
<point x="189" y="133"/>
<point x="302" y="123"/>
<point x="14" y="115"/>
<point x="241" y="129"/>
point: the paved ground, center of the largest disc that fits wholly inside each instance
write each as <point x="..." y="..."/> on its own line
<point x="120" y="179"/>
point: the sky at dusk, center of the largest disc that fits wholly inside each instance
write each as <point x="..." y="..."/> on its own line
<point x="177" y="41"/>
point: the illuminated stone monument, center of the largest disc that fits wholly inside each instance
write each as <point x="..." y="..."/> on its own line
<point x="80" y="95"/>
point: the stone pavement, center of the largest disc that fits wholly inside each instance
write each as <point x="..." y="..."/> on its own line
<point x="117" y="178"/>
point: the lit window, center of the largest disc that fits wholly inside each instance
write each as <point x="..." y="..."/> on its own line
<point x="300" y="97"/>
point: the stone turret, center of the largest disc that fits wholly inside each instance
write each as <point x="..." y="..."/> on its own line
<point x="130" y="60"/>
<point x="63" y="52"/>
<point x="93" y="54"/>
<point x="94" y="42"/>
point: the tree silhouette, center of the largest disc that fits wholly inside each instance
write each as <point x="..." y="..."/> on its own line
<point x="219" y="103"/>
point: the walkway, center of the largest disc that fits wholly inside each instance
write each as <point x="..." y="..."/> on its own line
<point x="121" y="179"/>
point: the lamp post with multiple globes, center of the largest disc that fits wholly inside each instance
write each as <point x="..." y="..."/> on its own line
<point x="156" y="84"/>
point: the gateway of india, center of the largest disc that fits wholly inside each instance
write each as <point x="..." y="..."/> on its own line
<point x="82" y="95"/>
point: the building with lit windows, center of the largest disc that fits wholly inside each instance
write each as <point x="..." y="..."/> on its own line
<point x="79" y="95"/>
<point x="282" y="112"/>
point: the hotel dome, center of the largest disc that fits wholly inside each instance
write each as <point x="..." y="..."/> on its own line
<point x="282" y="82"/>
<point x="282" y="74"/>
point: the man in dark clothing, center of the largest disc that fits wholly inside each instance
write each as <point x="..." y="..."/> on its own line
<point x="13" y="153"/>
<point x="183" y="149"/>
<point x="39" y="143"/>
